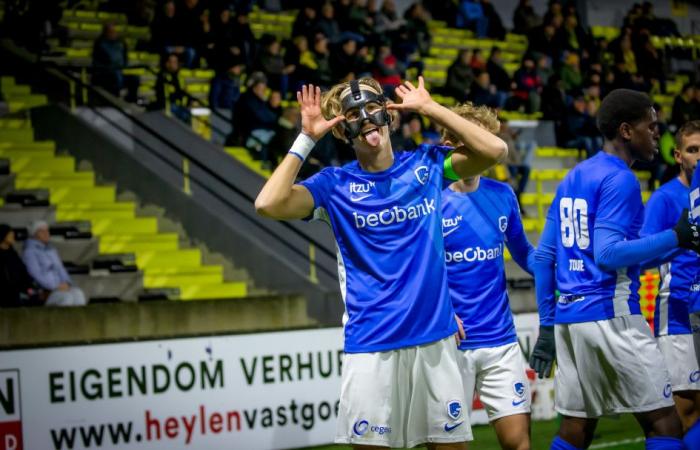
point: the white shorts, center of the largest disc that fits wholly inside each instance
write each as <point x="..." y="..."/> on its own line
<point x="498" y="375"/>
<point x="403" y="398"/>
<point x="609" y="367"/>
<point x="679" y="354"/>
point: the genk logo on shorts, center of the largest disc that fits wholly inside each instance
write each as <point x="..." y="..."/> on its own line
<point x="503" y="223"/>
<point x="422" y="173"/>
<point x="519" y="389"/>
<point x="694" y="377"/>
<point x="667" y="390"/>
<point x="360" y="427"/>
<point x="454" y="409"/>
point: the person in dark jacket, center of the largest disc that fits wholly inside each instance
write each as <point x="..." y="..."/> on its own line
<point x="109" y="57"/>
<point x="16" y="286"/>
<point x="460" y="76"/>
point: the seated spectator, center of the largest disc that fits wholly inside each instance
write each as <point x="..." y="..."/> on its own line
<point x="544" y="68"/>
<point x="305" y="22"/>
<point x="193" y="22"/>
<point x="299" y="56"/>
<point x="495" y="30"/>
<point x="165" y="31"/>
<point x="225" y="87"/>
<point x="387" y="71"/>
<point x="470" y="15"/>
<point x="243" y="38"/>
<point x="109" y="58"/>
<point x="344" y="60"/>
<point x="525" y="19"/>
<point x="685" y="108"/>
<point x="580" y="128"/>
<point x="272" y="64"/>
<point x="570" y="73"/>
<point x="361" y="19"/>
<point x="482" y="92"/>
<point x="528" y="86"/>
<point x="417" y="27"/>
<point x="286" y="131"/>
<point x="387" y="21"/>
<point x="321" y="53"/>
<point x="477" y="63"/>
<point x="327" y="23"/>
<point x="224" y="46"/>
<point x="575" y="37"/>
<point x="255" y="120"/>
<point x="46" y="268"/>
<point x="169" y="88"/>
<point x="16" y="286"/>
<point x="545" y="40"/>
<point x="460" y="76"/>
<point x="650" y="62"/>
<point x="554" y="9"/>
<point x="497" y="73"/>
<point x="519" y="154"/>
<point x="554" y="100"/>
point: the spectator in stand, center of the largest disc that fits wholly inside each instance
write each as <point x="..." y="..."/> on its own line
<point x="497" y="73"/>
<point x="321" y="54"/>
<point x="272" y="64"/>
<point x="482" y="92"/>
<point x="299" y="56"/>
<point x="570" y="72"/>
<point x="192" y="18"/>
<point x="305" y="23"/>
<point x="361" y="19"/>
<point x="16" y="286"/>
<point x="625" y="55"/>
<point x="165" y="31"/>
<point x="46" y="268"/>
<point x="650" y="63"/>
<point x="224" y="51"/>
<point x="327" y="23"/>
<point x="344" y="59"/>
<point x="525" y="19"/>
<point x="286" y="131"/>
<point x="496" y="30"/>
<point x="518" y="155"/>
<point x="544" y="68"/>
<point x="580" y="130"/>
<point x="169" y="88"/>
<point x="460" y="76"/>
<point x="243" y="38"/>
<point x="255" y="120"/>
<point x="109" y="58"/>
<point x="417" y="30"/>
<point x="225" y="87"/>
<point x="554" y="100"/>
<point x="684" y="107"/>
<point x="388" y="22"/>
<point x="387" y="71"/>
<point x="528" y="85"/>
<point x="545" y="40"/>
<point x="470" y="15"/>
<point x="554" y="9"/>
<point x="477" y="63"/>
<point x="575" y="38"/>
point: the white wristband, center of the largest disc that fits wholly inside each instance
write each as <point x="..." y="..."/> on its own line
<point x="302" y="146"/>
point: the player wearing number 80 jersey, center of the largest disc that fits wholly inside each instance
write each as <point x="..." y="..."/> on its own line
<point x="608" y="362"/>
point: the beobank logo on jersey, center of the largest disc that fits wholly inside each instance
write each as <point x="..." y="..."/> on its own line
<point x="394" y="215"/>
<point x="474" y="254"/>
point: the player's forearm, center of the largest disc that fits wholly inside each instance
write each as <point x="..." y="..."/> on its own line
<point x="544" y="266"/>
<point x="273" y="199"/>
<point x="611" y="251"/>
<point x="481" y="148"/>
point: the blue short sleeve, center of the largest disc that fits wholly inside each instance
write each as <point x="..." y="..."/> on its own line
<point x="620" y="201"/>
<point x="320" y="186"/>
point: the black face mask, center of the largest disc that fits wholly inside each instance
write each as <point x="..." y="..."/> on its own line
<point x="360" y="100"/>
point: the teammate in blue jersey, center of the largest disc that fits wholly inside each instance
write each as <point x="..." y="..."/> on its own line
<point x="607" y="361"/>
<point x="680" y="281"/>
<point x="480" y="217"/>
<point x="401" y="383"/>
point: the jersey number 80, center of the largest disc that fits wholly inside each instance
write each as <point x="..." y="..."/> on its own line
<point x="573" y="215"/>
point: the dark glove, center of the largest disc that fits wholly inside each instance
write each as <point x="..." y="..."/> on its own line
<point x="688" y="233"/>
<point x="543" y="355"/>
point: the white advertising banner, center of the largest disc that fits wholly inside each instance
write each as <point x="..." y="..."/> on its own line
<point x="253" y="391"/>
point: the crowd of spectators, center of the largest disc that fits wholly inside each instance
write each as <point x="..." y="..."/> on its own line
<point x="38" y="277"/>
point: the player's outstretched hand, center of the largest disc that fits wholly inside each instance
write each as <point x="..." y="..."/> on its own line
<point x="313" y="124"/>
<point x="413" y="99"/>
<point x="688" y="233"/>
<point x="543" y="355"/>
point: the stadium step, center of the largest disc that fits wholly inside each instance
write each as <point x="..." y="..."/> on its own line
<point x="48" y="164"/>
<point x="213" y="291"/>
<point x="28" y="146"/>
<point x="113" y="210"/>
<point x="153" y="280"/>
<point x="71" y="180"/>
<point x="138" y="243"/>
<point x="17" y="134"/>
<point x="97" y="194"/>
<point x="191" y="257"/>
<point x="136" y="225"/>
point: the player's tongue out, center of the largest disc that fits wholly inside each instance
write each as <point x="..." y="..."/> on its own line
<point x="372" y="137"/>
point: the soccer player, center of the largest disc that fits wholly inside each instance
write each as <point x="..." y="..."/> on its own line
<point x="680" y="280"/>
<point x="401" y="382"/>
<point x="480" y="217"/>
<point x="607" y="361"/>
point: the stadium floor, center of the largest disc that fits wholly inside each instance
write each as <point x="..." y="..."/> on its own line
<point x="616" y="434"/>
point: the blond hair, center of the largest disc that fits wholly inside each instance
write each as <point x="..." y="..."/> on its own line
<point x="332" y="106"/>
<point x="482" y="115"/>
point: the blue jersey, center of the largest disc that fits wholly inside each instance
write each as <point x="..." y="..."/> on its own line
<point x="680" y="282"/>
<point x="694" y="208"/>
<point x="476" y="227"/>
<point x="601" y="192"/>
<point x="387" y="227"/>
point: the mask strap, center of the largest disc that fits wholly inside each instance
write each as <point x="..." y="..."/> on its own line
<point x="355" y="90"/>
